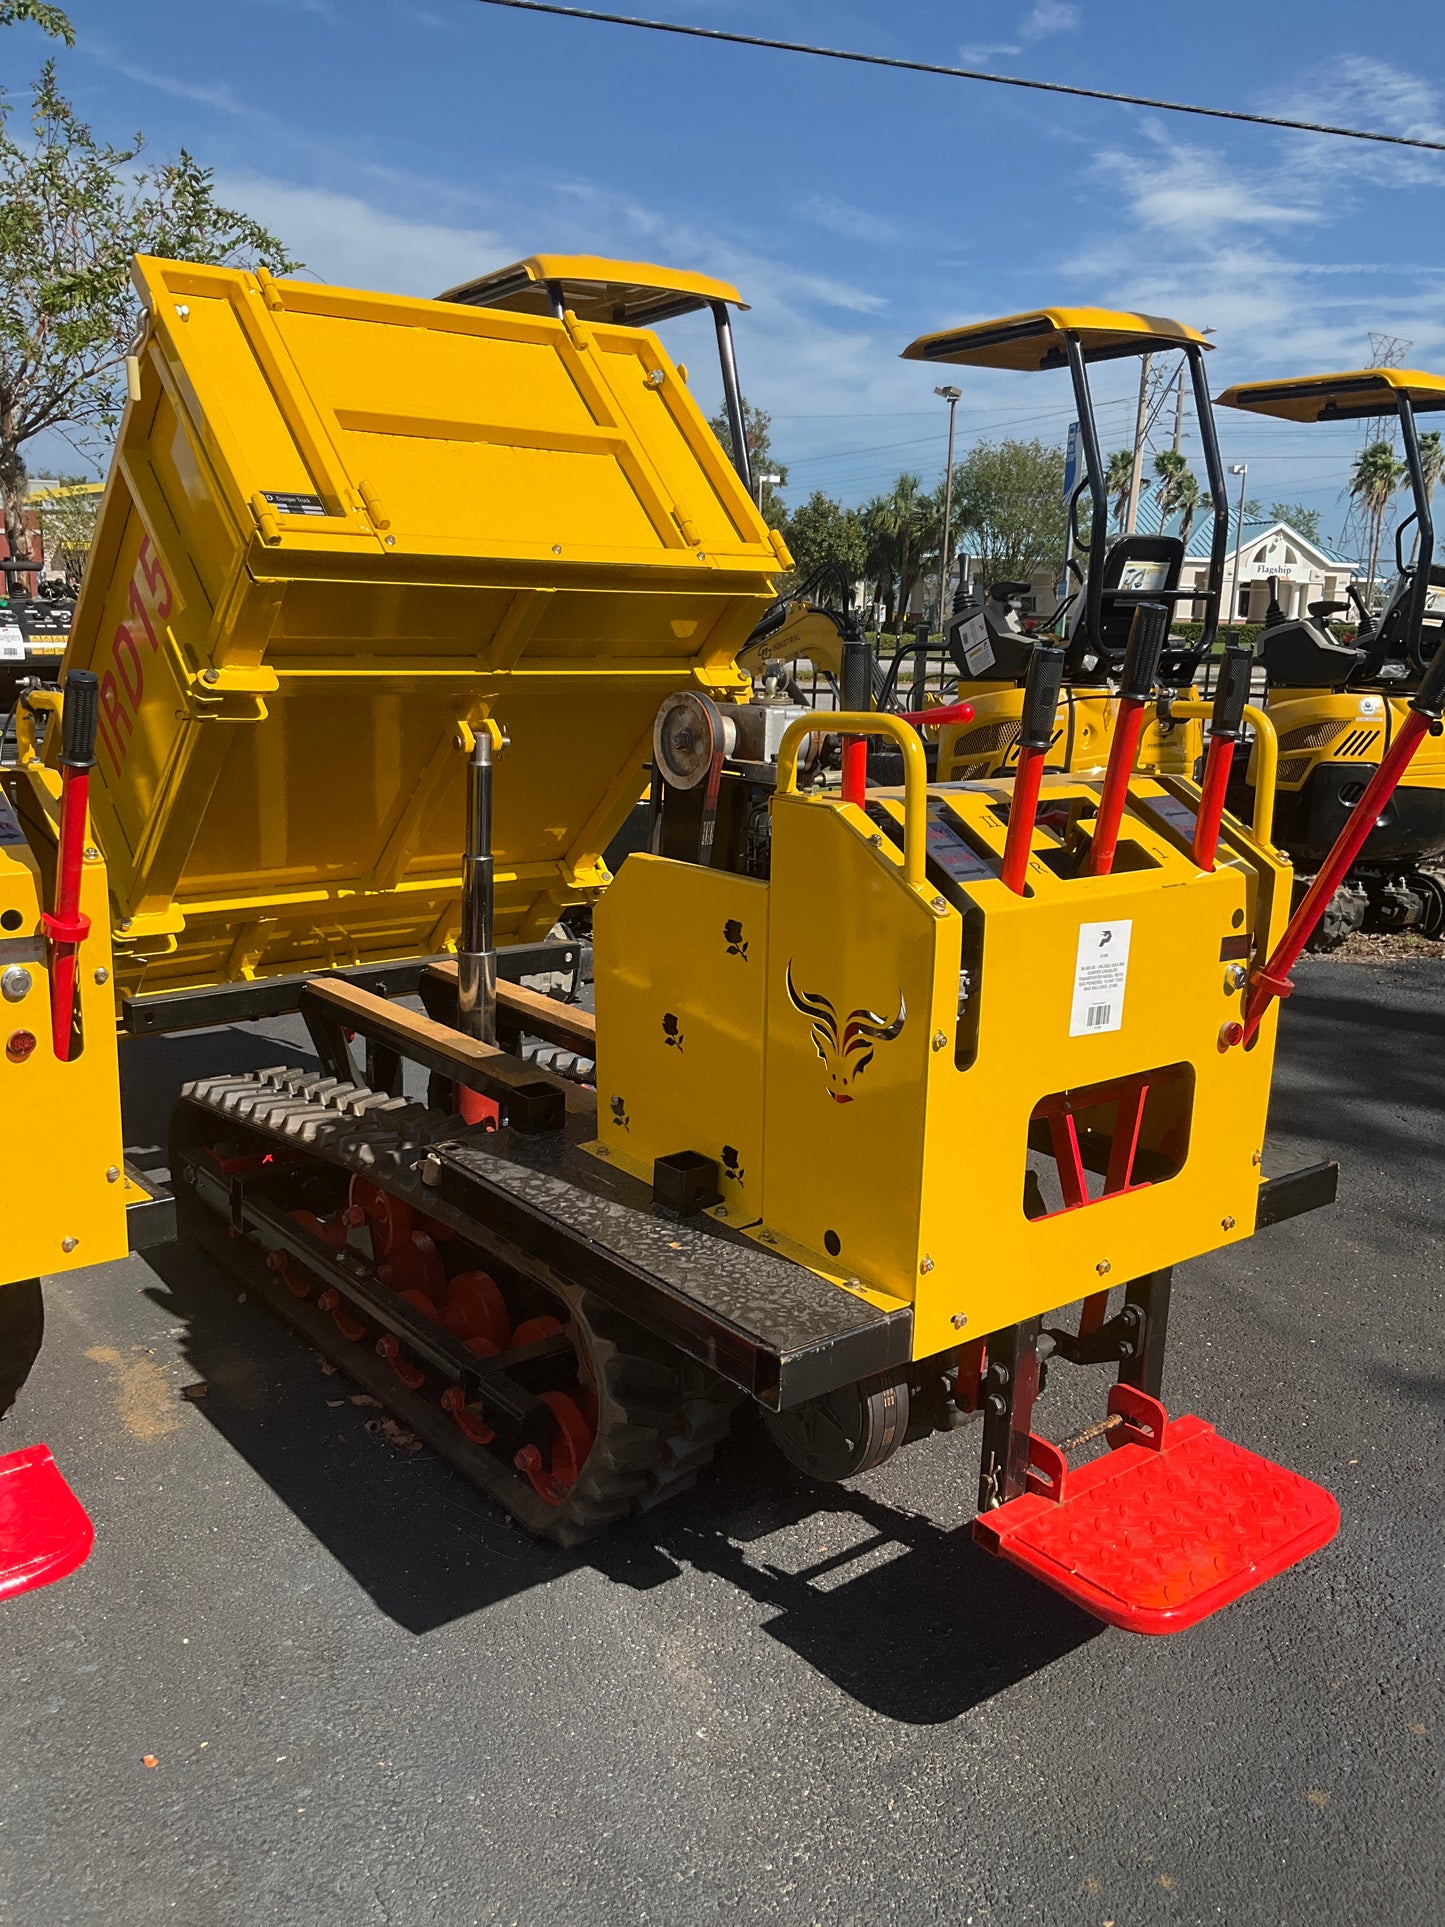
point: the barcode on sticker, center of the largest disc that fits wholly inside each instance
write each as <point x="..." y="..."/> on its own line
<point x="1101" y="978"/>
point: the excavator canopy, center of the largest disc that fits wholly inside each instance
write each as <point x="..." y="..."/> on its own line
<point x="1036" y="340"/>
<point x="1361" y="392"/>
<point x="631" y="294"/>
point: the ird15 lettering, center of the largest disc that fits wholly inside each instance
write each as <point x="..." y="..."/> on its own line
<point x="149" y="602"/>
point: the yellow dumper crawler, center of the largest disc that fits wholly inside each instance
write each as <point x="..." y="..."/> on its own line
<point x="1338" y="705"/>
<point x="886" y="1075"/>
<point x="990" y="647"/>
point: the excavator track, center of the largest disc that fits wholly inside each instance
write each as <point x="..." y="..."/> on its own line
<point x="630" y="1421"/>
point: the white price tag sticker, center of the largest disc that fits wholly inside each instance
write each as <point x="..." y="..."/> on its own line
<point x="977" y="649"/>
<point x="1101" y="976"/>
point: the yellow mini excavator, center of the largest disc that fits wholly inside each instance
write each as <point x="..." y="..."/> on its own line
<point x="988" y="641"/>
<point x="1338" y="705"/>
<point x="391" y="602"/>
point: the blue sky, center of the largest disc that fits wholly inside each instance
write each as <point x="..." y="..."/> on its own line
<point x="406" y="147"/>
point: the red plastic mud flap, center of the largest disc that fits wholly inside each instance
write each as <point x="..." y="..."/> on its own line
<point x="44" y="1530"/>
<point x="1163" y="1530"/>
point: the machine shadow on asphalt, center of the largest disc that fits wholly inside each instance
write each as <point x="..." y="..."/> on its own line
<point x="429" y="1549"/>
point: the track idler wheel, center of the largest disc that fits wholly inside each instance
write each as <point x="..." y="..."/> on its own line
<point x="554" y="1474"/>
<point x="845" y="1432"/>
<point x="388" y="1218"/>
<point x="415" y="1265"/>
<point x="475" y="1308"/>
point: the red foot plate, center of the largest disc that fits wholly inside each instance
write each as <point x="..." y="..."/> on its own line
<point x="1154" y="1537"/>
<point x="44" y="1530"/>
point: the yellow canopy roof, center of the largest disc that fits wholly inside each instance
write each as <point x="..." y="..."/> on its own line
<point x="1346" y="397"/>
<point x="1036" y="340"/>
<point x="634" y="293"/>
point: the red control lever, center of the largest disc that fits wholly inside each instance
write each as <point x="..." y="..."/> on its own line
<point x="934" y="718"/>
<point x="1147" y="635"/>
<point x="1271" y="980"/>
<point x="66" y="925"/>
<point x="1036" y="732"/>
<point x="1231" y="693"/>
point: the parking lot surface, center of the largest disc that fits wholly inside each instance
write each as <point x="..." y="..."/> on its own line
<point x="370" y="1700"/>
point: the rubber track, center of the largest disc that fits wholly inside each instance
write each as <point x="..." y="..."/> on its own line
<point x="661" y="1416"/>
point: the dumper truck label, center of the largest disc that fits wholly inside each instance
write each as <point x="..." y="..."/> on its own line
<point x="1101" y="975"/>
<point x="150" y="601"/>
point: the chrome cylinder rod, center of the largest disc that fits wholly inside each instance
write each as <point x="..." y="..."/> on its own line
<point x="477" y="951"/>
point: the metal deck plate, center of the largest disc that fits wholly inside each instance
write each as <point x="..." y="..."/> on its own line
<point x="772" y="1326"/>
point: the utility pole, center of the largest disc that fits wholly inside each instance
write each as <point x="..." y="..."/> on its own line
<point x="953" y="396"/>
<point x="1241" y="469"/>
<point x="1179" y="410"/>
<point x="1131" y="515"/>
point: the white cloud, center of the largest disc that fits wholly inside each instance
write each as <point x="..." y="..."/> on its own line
<point x="347" y="242"/>
<point x="1048" y="17"/>
<point x="853" y="223"/>
<point x="1172" y="187"/>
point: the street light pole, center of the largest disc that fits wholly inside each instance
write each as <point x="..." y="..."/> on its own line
<point x="953" y="396"/>
<point x="1241" y="469"/>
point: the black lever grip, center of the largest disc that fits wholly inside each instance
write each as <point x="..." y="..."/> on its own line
<point x="1041" y="696"/>
<point x="857" y="678"/>
<point x="1148" y="633"/>
<point x="81" y="717"/>
<point x="1231" y="692"/>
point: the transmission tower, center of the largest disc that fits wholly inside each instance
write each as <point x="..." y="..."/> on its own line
<point x="1359" y="536"/>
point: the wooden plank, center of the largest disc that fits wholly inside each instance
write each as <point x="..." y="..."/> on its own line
<point x="539" y="1016"/>
<point x="481" y="1067"/>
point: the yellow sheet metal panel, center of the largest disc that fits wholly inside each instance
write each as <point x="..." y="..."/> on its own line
<point x="1358" y="393"/>
<point x="901" y="1100"/>
<point x="1083" y="729"/>
<point x="1036" y="340"/>
<point x="683" y="1073"/>
<point x="59" y="1123"/>
<point x="340" y="524"/>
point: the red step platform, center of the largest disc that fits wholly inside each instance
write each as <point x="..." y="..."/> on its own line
<point x="44" y="1530"/>
<point x="1163" y="1530"/>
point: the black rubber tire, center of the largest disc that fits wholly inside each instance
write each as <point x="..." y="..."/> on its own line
<point x="22" y="1327"/>
<point x="845" y="1432"/>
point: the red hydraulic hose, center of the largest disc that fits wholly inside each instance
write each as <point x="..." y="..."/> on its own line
<point x="65" y="923"/>
<point x="1036" y="732"/>
<point x="1271" y="980"/>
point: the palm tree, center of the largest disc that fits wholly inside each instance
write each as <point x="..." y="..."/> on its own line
<point x="900" y="524"/>
<point x="1373" y="481"/>
<point x="1118" y="478"/>
<point x="1175" y="481"/>
<point x="1189" y="499"/>
<point x="1432" y="465"/>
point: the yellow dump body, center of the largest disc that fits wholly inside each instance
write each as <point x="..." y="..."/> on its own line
<point x="337" y="526"/>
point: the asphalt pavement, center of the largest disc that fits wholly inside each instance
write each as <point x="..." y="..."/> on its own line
<point x="371" y="1700"/>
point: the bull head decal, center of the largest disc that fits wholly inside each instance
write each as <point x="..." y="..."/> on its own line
<point x="847" y="1051"/>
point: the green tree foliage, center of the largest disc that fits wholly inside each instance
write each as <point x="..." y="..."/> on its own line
<point x="73" y="210"/>
<point x="758" y="432"/>
<point x="1117" y="477"/>
<point x="1373" y="481"/>
<point x="822" y="530"/>
<point x="1008" y="498"/>
<point x="67" y="510"/>
<point x="901" y="529"/>
<point x="1306" y="520"/>
<point x="49" y="19"/>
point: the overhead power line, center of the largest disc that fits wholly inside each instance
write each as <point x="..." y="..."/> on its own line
<point x="963" y="73"/>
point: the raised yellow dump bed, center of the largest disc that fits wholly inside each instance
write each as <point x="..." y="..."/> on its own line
<point x="338" y="526"/>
